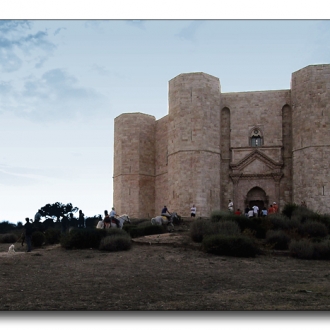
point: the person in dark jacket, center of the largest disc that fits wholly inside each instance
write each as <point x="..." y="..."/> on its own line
<point x="28" y="234"/>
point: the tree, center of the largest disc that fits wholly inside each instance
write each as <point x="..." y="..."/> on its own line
<point x="57" y="210"/>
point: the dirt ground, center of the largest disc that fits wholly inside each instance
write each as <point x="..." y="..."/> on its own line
<point x="159" y="273"/>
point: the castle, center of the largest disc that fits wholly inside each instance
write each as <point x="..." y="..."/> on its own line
<point x="250" y="147"/>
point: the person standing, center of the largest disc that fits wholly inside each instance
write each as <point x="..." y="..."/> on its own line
<point x="37" y="216"/>
<point x="255" y="211"/>
<point x="81" y="219"/>
<point x="238" y="212"/>
<point x="28" y="234"/>
<point x="246" y="211"/>
<point x="193" y="211"/>
<point x="271" y="209"/>
<point x="230" y="206"/>
<point x="275" y="207"/>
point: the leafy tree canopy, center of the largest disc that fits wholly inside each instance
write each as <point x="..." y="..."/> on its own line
<point x="57" y="210"/>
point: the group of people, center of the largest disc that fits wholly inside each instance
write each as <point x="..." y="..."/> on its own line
<point x="254" y="211"/>
<point x="105" y="223"/>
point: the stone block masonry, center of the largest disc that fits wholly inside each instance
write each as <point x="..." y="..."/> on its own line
<point x="250" y="147"/>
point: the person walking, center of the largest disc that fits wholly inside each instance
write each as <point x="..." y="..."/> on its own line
<point x="193" y="211"/>
<point x="28" y="234"/>
<point x="275" y="207"/>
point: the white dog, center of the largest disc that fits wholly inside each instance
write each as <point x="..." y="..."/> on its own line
<point x="11" y="248"/>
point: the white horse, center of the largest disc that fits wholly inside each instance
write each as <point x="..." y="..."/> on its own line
<point x="122" y="218"/>
<point x="162" y="220"/>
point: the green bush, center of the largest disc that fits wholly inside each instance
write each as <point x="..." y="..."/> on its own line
<point x="302" y="214"/>
<point x="8" y="238"/>
<point x="144" y="230"/>
<point x="302" y="249"/>
<point x="83" y="238"/>
<point x="313" y="229"/>
<point x="200" y="228"/>
<point x="278" y="221"/>
<point x="226" y="228"/>
<point x="322" y="250"/>
<point x="325" y="219"/>
<point x="116" y="243"/>
<point x="236" y="246"/>
<point x="52" y="236"/>
<point x="37" y="238"/>
<point x="278" y="239"/>
<point x="288" y="209"/>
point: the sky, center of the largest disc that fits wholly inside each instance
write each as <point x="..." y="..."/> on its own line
<point x="63" y="81"/>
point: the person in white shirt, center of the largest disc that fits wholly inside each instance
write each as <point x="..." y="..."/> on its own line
<point x="231" y="206"/>
<point x="255" y="210"/>
<point x="250" y="213"/>
<point x="193" y="211"/>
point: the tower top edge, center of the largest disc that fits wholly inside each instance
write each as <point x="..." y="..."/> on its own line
<point x="196" y="74"/>
<point x="136" y="114"/>
<point x="313" y="66"/>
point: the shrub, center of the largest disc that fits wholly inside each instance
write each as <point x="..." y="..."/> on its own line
<point x="52" y="236"/>
<point x="116" y="243"/>
<point x="302" y="249"/>
<point x="82" y="238"/>
<point x="278" y="239"/>
<point x="8" y="238"/>
<point x="288" y="209"/>
<point x="278" y="221"/>
<point x="226" y="228"/>
<point x="145" y="230"/>
<point x="322" y="250"/>
<point x="313" y="229"/>
<point x="325" y="219"/>
<point x="302" y="214"/>
<point x="217" y="215"/>
<point x="37" y="238"/>
<point x="200" y="228"/>
<point x="236" y="246"/>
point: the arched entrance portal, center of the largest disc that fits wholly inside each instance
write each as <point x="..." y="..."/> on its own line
<point x="257" y="196"/>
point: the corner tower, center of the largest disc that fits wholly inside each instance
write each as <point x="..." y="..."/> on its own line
<point x="311" y="136"/>
<point x="194" y="143"/>
<point x="134" y="165"/>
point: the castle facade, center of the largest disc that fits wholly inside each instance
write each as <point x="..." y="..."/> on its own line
<point x="251" y="147"/>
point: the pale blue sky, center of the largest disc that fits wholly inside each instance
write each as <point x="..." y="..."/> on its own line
<point x="62" y="83"/>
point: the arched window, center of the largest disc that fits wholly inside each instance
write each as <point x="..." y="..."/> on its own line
<point x="256" y="139"/>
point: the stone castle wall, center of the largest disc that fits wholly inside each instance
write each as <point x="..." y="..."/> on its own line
<point x="311" y="136"/>
<point x="201" y="152"/>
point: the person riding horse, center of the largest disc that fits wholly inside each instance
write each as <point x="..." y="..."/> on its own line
<point x="113" y="215"/>
<point x="166" y="213"/>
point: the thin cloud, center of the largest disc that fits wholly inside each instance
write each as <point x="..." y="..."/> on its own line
<point x="137" y="23"/>
<point x="55" y="95"/>
<point x="190" y="31"/>
<point x="16" y="40"/>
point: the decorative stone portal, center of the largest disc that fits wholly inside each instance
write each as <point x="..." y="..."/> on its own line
<point x="257" y="196"/>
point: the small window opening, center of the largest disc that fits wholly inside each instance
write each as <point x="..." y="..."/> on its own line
<point x="256" y="139"/>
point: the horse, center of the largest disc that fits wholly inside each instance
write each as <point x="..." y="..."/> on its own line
<point x="122" y="219"/>
<point x="162" y="220"/>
